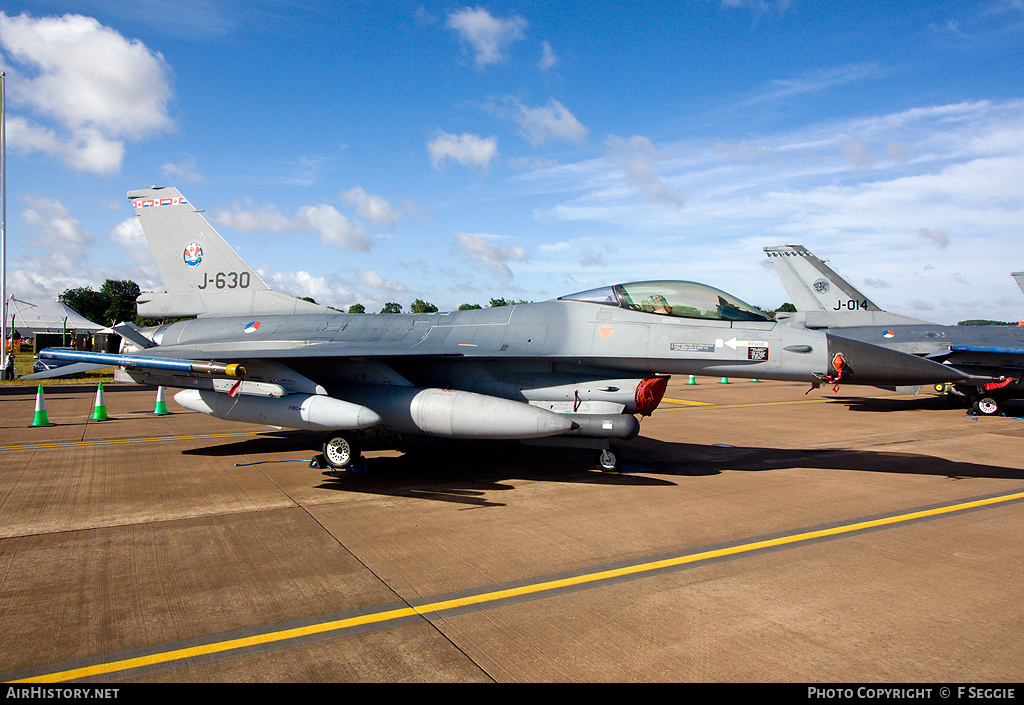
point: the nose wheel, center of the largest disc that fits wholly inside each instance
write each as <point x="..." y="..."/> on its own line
<point x="607" y="460"/>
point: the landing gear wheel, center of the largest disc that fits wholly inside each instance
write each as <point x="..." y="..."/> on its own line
<point x="986" y="405"/>
<point x="340" y="450"/>
<point x="607" y="460"/>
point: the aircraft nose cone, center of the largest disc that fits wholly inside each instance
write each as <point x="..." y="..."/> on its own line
<point x="864" y="363"/>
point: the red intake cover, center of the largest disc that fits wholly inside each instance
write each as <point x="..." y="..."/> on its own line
<point x="649" y="393"/>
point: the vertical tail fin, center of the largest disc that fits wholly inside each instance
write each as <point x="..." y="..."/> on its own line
<point x="203" y="275"/>
<point x="1019" y="278"/>
<point x="826" y="299"/>
<point x="812" y="285"/>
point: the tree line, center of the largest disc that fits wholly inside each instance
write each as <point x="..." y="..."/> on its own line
<point x="421" y="306"/>
<point x="115" y="303"/>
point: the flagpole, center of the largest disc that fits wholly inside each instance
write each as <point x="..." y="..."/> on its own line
<point x="3" y="215"/>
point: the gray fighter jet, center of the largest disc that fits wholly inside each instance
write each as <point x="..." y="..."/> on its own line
<point x="991" y="356"/>
<point x="575" y="371"/>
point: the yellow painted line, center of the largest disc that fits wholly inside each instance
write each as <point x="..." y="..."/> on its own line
<point x="817" y="400"/>
<point x="111" y="441"/>
<point x="688" y="403"/>
<point x="499" y="595"/>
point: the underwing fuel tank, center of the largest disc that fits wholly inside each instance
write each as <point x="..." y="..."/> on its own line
<point x="622" y="426"/>
<point x="309" y="412"/>
<point x="456" y="414"/>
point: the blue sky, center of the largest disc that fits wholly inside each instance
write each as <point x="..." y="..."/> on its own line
<point x="388" y="151"/>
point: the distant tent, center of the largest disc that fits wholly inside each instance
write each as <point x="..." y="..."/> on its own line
<point x="46" y="317"/>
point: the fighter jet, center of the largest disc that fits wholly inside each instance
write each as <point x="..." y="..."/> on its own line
<point x="991" y="357"/>
<point x="577" y="370"/>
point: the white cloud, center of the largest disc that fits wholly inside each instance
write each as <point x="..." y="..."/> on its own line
<point x="373" y="280"/>
<point x="548" y="122"/>
<point x="376" y="209"/>
<point x="758" y="5"/>
<point x="817" y="80"/>
<point x="85" y="149"/>
<point x="857" y="152"/>
<point x="324" y="220"/>
<point x="58" y="256"/>
<point x="548" y="60"/>
<point x="86" y="88"/>
<point x="492" y="256"/>
<point x="636" y="157"/>
<point x="183" y="171"/>
<point x="489" y="37"/>
<point x="936" y="185"/>
<point x="301" y="284"/>
<point x="56" y="228"/>
<point x="332" y="227"/>
<point x="937" y="236"/>
<point x="128" y="234"/>
<point x="264" y="219"/>
<point x="467" y="149"/>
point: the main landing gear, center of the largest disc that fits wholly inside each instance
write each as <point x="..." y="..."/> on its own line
<point x="340" y="452"/>
<point x="987" y="404"/>
<point x="982" y="401"/>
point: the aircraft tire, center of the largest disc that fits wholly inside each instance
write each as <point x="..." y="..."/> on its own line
<point x="607" y="460"/>
<point x="987" y="405"/>
<point x="340" y="450"/>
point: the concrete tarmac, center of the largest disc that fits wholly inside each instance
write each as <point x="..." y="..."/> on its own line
<point x="755" y="533"/>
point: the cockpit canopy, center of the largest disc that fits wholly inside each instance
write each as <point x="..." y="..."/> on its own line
<point x="672" y="298"/>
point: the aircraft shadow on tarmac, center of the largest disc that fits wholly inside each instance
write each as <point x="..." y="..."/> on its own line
<point x="712" y="460"/>
<point x="924" y="402"/>
<point x="467" y="472"/>
<point x="458" y="471"/>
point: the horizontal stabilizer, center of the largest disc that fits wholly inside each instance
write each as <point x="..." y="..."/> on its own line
<point x="66" y="371"/>
<point x="133" y="334"/>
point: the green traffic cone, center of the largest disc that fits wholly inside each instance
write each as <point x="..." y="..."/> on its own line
<point x="99" y="412"/>
<point x="161" y="403"/>
<point x="693" y="380"/>
<point x="41" y="418"/>
<point x="725" y="380"/>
